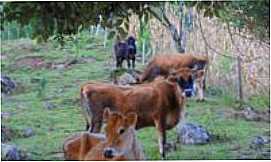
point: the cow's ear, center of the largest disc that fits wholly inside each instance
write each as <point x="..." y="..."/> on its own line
<point x="106" y="114"/>
<point x="131" y="119"/>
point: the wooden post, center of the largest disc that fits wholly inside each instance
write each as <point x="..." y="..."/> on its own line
<point x="239" y="70"/>
<point x="92" y="29"/>
<point x="143" y="52"/>
<point x="8" y="31"/>
<point x="18" y="32"/>
<point x="105" y="37"/>
<point x="97" y="29"/>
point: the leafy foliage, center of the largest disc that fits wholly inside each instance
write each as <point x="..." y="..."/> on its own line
<point x="48" y="18"/>
<point x="14" y="30"/>
<point x="144" y="34"/>
<point x="253" y="16"/>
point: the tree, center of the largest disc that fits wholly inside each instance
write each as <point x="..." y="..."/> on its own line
<point x="48" y="18"/>
<point x="252" y="16"/>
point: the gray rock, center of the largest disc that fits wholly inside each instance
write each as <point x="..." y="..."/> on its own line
<point x="48" y="105"/>
<point x="6" y="133"/>
<point x="125" y="79"/>
<point x="5" y="115"/>
<point x="12" y="152"/>
<point x="28" y="132"/>
<point x="7" y="85"/>
<point x="189" y="133"/>
<point x="58" y="66"/>
<point x="259" y="141"/>
<point x="250" y="114"/>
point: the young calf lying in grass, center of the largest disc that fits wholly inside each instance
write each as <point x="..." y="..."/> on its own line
<point x="119" y="142"/>
<point x="159" y="103"/>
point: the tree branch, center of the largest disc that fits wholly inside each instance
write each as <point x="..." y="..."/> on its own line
<point x="265" y="43"/>
<point x="232" y="41"/>
<point x="157" y="17"/>
<point x="207" y="44"/>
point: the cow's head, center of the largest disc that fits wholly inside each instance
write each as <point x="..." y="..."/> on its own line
<point x="131" y="40"/>
<point x="119" y="132"/>
<point x="185" y="79"/>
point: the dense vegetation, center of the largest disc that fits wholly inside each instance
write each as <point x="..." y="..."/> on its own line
<point x="48" y="18"/>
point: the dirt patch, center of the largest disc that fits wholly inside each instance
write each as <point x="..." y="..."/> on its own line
<point x="35" y="62"/>
<point x="70" y="62"/>
<point x="87" y="59"/>
<point x="38" y="62"/>
<point x="249" y="114"/>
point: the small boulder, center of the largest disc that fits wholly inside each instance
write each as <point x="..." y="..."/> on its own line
<point x="12" y="152"/>
<point x="189" y="133"/>
<point x="259" y="141"/>
<point x="126" y="79"/>
<point x="125" y="76"/>
<point x="28" y="132"/>
<point x="6" y="133"/>
<point x="5" y="115"/>
<point x="250" y="114"/>
<point x="48" y="105"/>
<point x="7" y="85"/>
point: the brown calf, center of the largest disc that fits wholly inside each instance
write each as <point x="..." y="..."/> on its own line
<point x="162" y="64"/>
<point x="120" y="142"/>
<point x="159" y="103"/>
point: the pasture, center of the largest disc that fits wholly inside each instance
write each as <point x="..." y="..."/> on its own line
<point x="47" y="100"/>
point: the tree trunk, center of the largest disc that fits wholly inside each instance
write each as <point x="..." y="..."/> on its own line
<point x="177" y="38"/>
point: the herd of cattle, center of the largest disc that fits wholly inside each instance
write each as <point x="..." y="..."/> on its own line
<point x="157" y="100"/>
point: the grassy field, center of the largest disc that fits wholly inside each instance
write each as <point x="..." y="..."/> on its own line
<point x="40" y="87"/>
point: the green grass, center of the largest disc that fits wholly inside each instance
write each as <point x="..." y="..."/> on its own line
<point x="51" y="127"/>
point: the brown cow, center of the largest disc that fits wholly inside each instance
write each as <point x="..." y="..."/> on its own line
<point x="163" y="63"/>
<point x="120" y="142"/>
<point x="159" y="103"/>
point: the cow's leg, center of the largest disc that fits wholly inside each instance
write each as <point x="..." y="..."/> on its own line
<point x="83" y="146"/>
<point x="133" y="62"/>
<point x="200" y="90"/>
<point x="96" y="124"/>
<point x="119" y="62"/>
<point x="180" y="123"/>
<point x="160" y="126"/>
<point x="128" y="63"/>
<point x="87" y="126"/>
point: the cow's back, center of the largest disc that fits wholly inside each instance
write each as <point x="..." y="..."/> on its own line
<point x="151" y="99"/>
<point x="161" y="64"/>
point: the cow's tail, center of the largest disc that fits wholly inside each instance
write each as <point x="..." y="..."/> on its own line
<point x="86" y="107"/>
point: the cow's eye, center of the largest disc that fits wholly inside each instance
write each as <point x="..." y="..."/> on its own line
<point x="121" y="131"/>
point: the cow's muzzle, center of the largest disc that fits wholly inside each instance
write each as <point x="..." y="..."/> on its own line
<point x="109" y="153"/>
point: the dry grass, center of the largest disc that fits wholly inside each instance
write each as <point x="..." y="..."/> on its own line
<point x="222" y="70"/>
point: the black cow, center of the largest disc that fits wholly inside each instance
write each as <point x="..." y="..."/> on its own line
<point x="125" y="51"/>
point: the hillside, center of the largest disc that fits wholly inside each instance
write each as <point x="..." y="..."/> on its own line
<point x="47" y="101"/>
